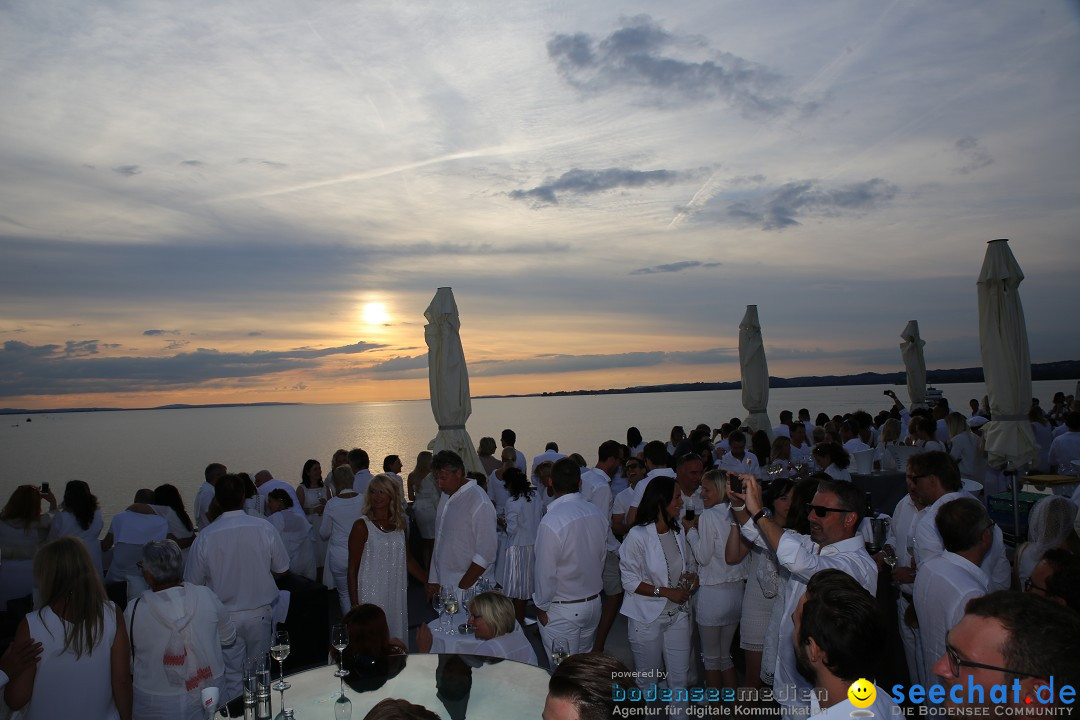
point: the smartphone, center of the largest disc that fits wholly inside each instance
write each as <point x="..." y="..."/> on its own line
<point x="736" y="483"/>
<point x="45" y="487"/>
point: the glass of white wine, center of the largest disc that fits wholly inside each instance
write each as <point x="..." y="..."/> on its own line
<point x="451" y="605"/>
<point x="279" y="650"/>
<point x="339" y="638"/>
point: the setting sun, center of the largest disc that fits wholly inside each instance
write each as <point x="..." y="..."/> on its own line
<point x="375" y="314"/>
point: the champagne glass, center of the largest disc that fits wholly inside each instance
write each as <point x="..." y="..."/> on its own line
<point x="451" y="606"/>
<point x="279" y="650"/>
<point x="560" y="650"/>
<point x="339" y="638"/>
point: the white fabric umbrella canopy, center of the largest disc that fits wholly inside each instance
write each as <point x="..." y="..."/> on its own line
<point x="448" y="379"/>
<point x="1003" y="342"/>
<point x="754" y="372"/>
<point x="911" y="350"/>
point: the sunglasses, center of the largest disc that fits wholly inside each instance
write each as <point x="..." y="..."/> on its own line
<point x="822" y="510"/>
<point x="1029" y="585"/>
<point x="955" y="663"/>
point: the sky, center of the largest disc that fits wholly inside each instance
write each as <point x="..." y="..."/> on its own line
<point x="219" y="202"/>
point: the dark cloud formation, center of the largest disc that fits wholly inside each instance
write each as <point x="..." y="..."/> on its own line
<point x="974" y="156"/>
<point x="780" y="207"/>
<point x="646" y="59"/>
<point x="154" y="333"/>
<point x="590" y="182"/>
<point x="128" y="170"/>
<point x="55" y="370"/>
<point x="401" y="363"/>
<point x="674" y="267"/>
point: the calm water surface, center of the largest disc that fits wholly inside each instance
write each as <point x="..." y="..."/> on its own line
<point x="119" y="452"/>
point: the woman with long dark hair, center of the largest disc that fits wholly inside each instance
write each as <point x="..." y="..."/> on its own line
<point x="313" y="494"/>
<point x="169" y="505"/>
<point x="523" y="511"/>
<point x="833" y="460"/>
<point x="657" y="575"/>
<point x="22" y="525"/>
<point x="80" y="517"/>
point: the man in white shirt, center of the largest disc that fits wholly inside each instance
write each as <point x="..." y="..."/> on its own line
<point x="834" y="542"/>
<point x="801" y="450"/>
<point x="656" y="463"/>
<point x="507" y="439"/>
<point x="901" y="540"/>
<point x="688" y="471"/>
<point x="937" y="481"/>
<point x="739" y="461"/>
<point x="849" y="436"/>
<point x="360" y="464"/>
<point x="784" y="428"/>
<point x="237" y="556"/>
<point x="596" y="490"/>
<point x="945" y="583"/>
<point x="837" y="636"/>
<point x="206" y="494"/>
<point x="129" y="530"/>
<point x="570" y="551"/>
<point x="1014" y="641"/>
<point x="551" y="454"/>
<point x="265" y="482"/>
<point x="466" y="543"/>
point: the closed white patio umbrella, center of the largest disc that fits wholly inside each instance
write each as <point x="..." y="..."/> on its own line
<point x="754" y="372"/>
<point x="911" y="350"/>
<point x="1003" y="342"/>
<point x="448" y="379"/>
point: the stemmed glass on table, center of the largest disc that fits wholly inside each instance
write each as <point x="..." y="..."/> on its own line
<point x="451" y="606"/>
<point x="279" y="650"/>
<point x="339" y="638"/>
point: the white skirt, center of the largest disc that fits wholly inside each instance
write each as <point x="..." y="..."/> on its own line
<point x="518" y="571"/>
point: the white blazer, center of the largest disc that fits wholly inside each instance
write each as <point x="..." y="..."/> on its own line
<point x="641" y="559"/>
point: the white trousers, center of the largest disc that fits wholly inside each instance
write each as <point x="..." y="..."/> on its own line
<point x="253" y="628"/>
<point x="573" y="622"/>
<point x="913" y="652"/>
<point x="663" y="644"/>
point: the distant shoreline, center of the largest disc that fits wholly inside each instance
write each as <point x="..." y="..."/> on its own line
<point x="1064" y="370"/>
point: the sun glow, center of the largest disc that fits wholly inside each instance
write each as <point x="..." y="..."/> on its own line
<point x="374" y="313"/>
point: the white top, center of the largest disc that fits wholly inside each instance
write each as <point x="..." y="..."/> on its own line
<point x="199" y="618"/>
<point x="642" y="560"/>
<point x="855" y="445"/>
<point x="782" y="430"/>
<point x="621" y="504"/>
<point x="748" y="463"/>
<point x="928" y="544"/>
<point x="802" y="557"/>
<point x="882" y="707"/>
<point x="361" y="481"/>
<point x="709" y="541"/>
<point x="902" y="534"/>
<point x="639" y="489"/>
<point x="295" y="532"/>
<point x="65" y="524"/>
<point x="596" y="489"/>
<point x="838" y="473"/>
<point x="84" y="684"/>
<point x="21" y="543"/>
<point x="201" y="505"/>
<point x="965" y="451"/>
<point x="274" y="484"/>
<point x="464" y="534"/>
<point x="570" y="551"/>
<point x="338" y="518"/>
<point x="943" y="586"/>
<point x="235" y="557"/>
<point x="1064" y="449"/>
<point x="176" y="525"/>
<point x="514" y="645"/>
<point x="381" y="578"/>
<point x="802" y="453"/>
<point x="547" y="455"/>
<point x="497" y="492"/>
<point x="130" y="531"/>
<point x="523" y="519"/>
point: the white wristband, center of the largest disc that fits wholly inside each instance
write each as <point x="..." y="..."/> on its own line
<point x="740" y="508"/>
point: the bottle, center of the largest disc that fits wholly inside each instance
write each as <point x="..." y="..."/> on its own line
<point x="869" y="505"/>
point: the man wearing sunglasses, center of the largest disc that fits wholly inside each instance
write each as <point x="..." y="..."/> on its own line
<point x="1016" y="640"/>
<point x="945" y="583"/>
<point x="937" y="481"/>
<point x="834" y="542"/>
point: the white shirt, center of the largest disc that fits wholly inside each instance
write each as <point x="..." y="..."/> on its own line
<point x="709" y="541"/>
<point x="337" y="522"/>
<point x="570" y="551"/>
<point x="928" y="544"/>
<point x="943" y="586"/>
<point x="902" y="534"/>
<point x="130" y="531"/>
<point x="639" y="490"/>
<point x="748" y="463"/>
<point x="464" y="534"/>
<point x="803" y="453"/>
<point x="274" y="484"/>
<point x="361" y="481"/>
<point x="882" y="707"/>
<point x="621" y="504"/>
<point x="855" y="445"/>
<point x="802" y="558"/>
<point x="782" y="431"/>
<point x="202" y="505"/>
<point x="837" y="473"/>
<point x="965" y="451"/>
<point x="235" y="557"/>
<point x="1064" y="449"/>
<point x="941" y="433"/>
<point x="547" y="455"/>
<point x="497" y="492"/>
<point x="523" y="519"/>
<point x="596" y="489"/>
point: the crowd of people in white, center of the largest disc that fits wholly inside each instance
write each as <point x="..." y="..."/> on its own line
<point x="718" y="529"/>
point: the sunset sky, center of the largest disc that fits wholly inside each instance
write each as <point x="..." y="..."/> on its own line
<point x="216" y="202"/>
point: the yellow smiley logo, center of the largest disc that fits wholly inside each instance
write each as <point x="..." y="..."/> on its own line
<point x="862" y="693"/>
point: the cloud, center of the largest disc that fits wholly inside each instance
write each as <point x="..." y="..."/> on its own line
<point x="674" y="267"/>
<point x="53" y="370"/>
<point x="192" y="163"/>
<point x="590" y="182"/>
<point x="646" y="59"/>
<point x="401" y="363"/>
<point x="153" y="333"/>
<point x="267" y="163"/>
<point x="972" y="154"/>
<point x="128" y="170"/>
<point x="780" y="207"/>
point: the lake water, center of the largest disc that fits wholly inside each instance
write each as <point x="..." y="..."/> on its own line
<point x="119" y="452"/>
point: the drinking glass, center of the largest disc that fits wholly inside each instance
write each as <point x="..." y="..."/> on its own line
<point x="560" y="650"/>
<point x="339" y="638"/>
<point x="450" y="603"/>
<point x="279" y="650"/>
<point x="437" y="604"/>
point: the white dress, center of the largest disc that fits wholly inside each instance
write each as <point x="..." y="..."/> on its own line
<point x="312" y="498"/>
<point x="64" y="523"/>
<point x="382" y="578"/>
<point x="296" y="534"/>
<point x="86" y="682"/>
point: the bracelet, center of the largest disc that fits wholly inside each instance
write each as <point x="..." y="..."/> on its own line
<point x="740" y="508"/>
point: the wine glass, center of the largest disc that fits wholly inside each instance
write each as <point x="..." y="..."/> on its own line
<point x="889" y="558"/>
<point x="437" y="604"/>
<point x="560" y="650"/>
<point x="339" y="638"/>
<point x="279" y="650"/>
<point x="450" y="603"/>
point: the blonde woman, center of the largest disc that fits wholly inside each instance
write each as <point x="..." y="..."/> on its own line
<point x="884" y="455"/>
<point x="718" y="604"/>
<point x="492" y="619"/>
<point x="85" y="669"/>
<point x="378" y="555"/>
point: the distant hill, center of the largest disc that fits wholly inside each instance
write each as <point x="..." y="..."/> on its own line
<point x="1065" y="370"/>
<point x="20" y="411"/>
